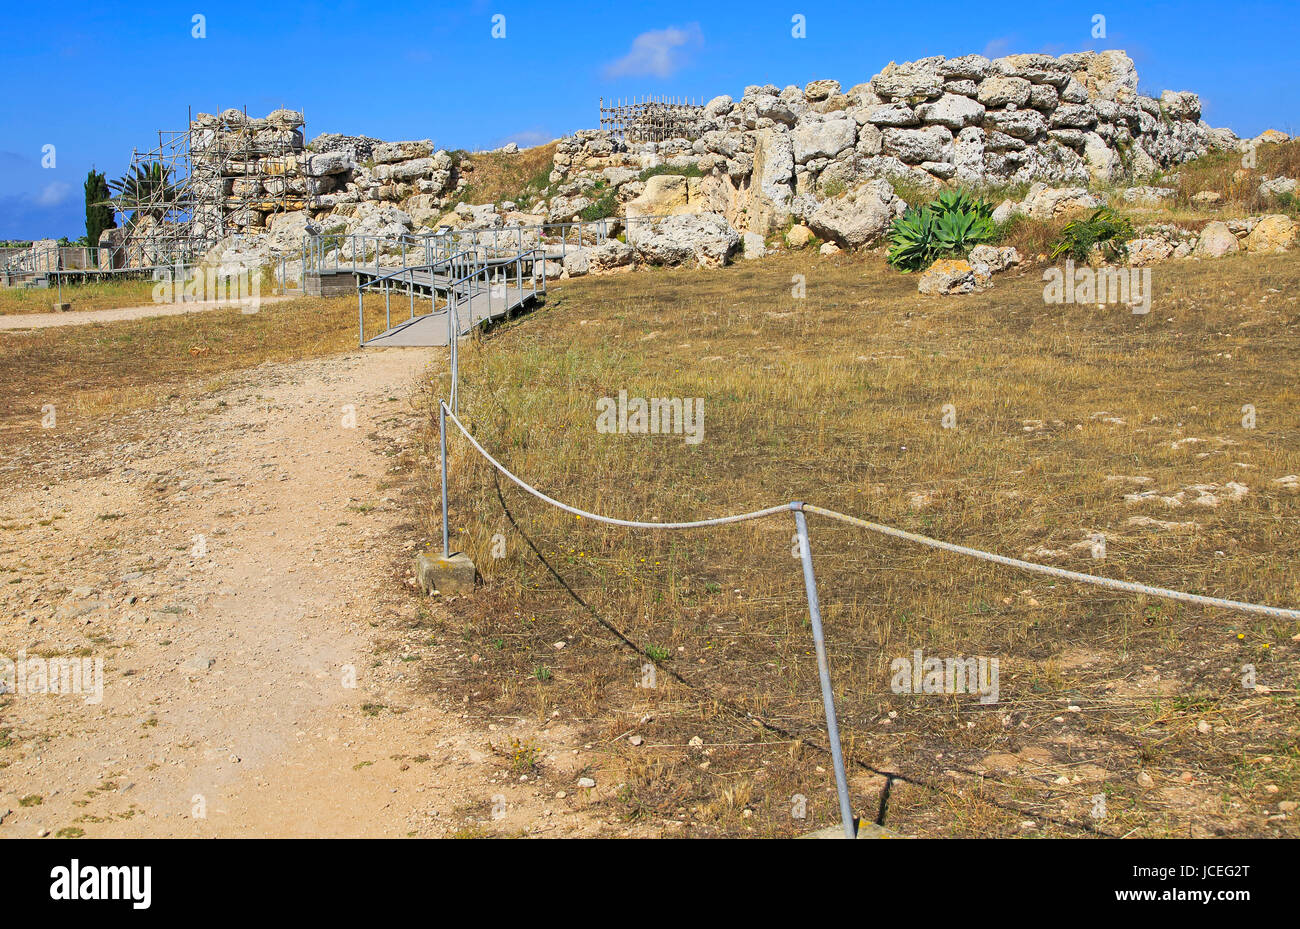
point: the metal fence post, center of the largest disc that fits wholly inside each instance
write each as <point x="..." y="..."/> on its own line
<point x="442" y="448"/>
<point x="823" y="670"/>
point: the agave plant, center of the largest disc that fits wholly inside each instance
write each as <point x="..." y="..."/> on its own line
<point x="1104" y="228"/>
<point x="911" y="240"/>
<point x="952" y="224"/>
<point x="959" y="201"/>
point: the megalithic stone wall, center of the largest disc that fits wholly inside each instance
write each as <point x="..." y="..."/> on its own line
<point x="1073" y="119"/>
<point x="245" y="169"/>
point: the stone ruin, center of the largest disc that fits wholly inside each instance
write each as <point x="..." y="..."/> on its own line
<point x="243" y="170"/>
<point x="826" y="158"/>
<point x="778" y="154"/>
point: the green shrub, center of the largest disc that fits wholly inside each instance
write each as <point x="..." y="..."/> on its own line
<point x="1111" y="230"/>
<point x="952" y="224"/>
<point x="600" y="209"/>
<point x="835" y="188"/>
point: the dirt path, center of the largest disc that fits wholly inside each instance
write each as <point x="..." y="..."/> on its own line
<point x="232" y="562"/>
<point x="85" y="317"/>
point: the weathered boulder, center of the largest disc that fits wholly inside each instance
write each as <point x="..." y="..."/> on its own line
<point x="1044" y="202"/>
<point x="664" y="195"/>
<point x="767" y="106"/>
<point x="288" y="230"/>
<point x="772" y="188"/>
<point x="858" y="218"/>
<point x="1148" y="196"/>
<point x="390" y="152"/>
<point x="913" y="146"/>
<point x="816" y="91"/>
<point x="382" y="220"/>
<point x="1019" y="124"/>
<point x="966" y="67"/>
<point x="327" y="163"/>
<point x="1277" y="186"/>
<point x="997" y="258"/>
<point x="617" y="176"/>
<point x="703" y="239"/>
<point x="1272" y="234"/>
<point x="754" y="245"/>
<point x="1104" y="163"/>
<point x="1005" y="210"/>
<point x="950" y="276"/>
<point x="1180" y="105"/>
<point x="1044" y="97"/>
<point x="798" y="236"/>
<point x="1073" y="116"/>
<point x="564" y="209"/>
<point x="405" y="170"/>
<point x="1001" y="91"/>
<point x="953" y="111"/>
<point x="892" y="114"/>
<point x="822" y="139"/>
<point x="1147" y="250"/>
<point x="718" y="107"/>
<point x="1216" y="241"/>
<point x="1109" y="75"/>
<point x="1034" y="67"/>
<point x="284" y="119"/>
<point x="911" y="80"/>
<point x="610" y="255"/>
<point x="577" y="262"/>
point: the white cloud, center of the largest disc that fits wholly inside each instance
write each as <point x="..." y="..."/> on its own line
<point x="659" y="52"/>
<point x="998" y="47"/>
<point x="53" y="194"/>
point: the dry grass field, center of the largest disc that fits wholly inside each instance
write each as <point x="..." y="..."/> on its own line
<point x="90" y="296"/>
<point x="684" y="659"/>
<point x="1118" y="715"/>
<point x="91" y="371"/>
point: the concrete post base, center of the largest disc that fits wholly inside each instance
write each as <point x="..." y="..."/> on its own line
<point x="450" y="576"/>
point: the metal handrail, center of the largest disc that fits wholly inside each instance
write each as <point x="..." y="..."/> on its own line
<point x="479" y="264"/>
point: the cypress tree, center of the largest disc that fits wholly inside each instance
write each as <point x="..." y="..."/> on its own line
<point x="99" y="214"/>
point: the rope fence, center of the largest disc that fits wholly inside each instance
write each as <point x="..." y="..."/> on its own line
<point x="799" y="509"/>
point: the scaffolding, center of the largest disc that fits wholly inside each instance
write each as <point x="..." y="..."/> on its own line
<point x="652" y="119"/>
<point x="225" y="174"/>
<point x="156" y="216"/>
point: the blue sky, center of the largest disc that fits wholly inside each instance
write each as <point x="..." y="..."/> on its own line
<point x="97" y="79"/>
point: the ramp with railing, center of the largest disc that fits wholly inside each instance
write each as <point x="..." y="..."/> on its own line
<point x="467" y="276"/>
<point x="463" y="291"/>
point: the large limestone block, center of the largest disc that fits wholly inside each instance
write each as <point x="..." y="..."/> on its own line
<point x="823" y="139"/>
<point x="954" y="111"/>
<point x="1216" y="241"/>
<point x="1272" y="234"/>
<point x="858" y="218"/>
<point x="664" y="195"/>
